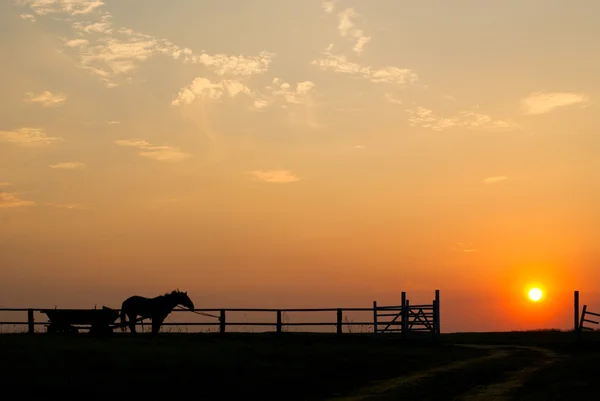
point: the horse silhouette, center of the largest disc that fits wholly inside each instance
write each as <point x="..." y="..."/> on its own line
<point x="157" y="309"/>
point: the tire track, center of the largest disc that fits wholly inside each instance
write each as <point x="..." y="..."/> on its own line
<point x="388" y="385"/>
<point x="502" y="390"/>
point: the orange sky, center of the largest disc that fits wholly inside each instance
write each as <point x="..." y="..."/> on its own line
<point x="302" y="154"/>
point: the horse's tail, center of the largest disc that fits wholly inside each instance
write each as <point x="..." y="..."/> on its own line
<point x="123" y="322"/>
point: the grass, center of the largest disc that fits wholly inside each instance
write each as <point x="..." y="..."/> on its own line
<point x="296" y="366"/>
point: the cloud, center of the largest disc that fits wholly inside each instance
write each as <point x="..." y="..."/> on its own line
<point x="66" y="206"/>
<point x="259" y="104"/>
<point x="298" y="95"/>
<point x="541" y="103"/>
<point x="392" y="99"/>
<point x="46" y="98"/>
<point x="297" y="99"/>
<point x="68" y="165"/>
<point x="71" y="7"/>
<point x="274" y="176"/>
<point x="9" y="200"/>
<point x="102" y="25"/>
<point x="467" y="248"/>
<point x="158" y="153"/>
<point x="111" y="52"/>
<point x="204" y="88"/>
<point x="77" y="42"/>
<point x="28" y="17"/>
<point x="4" y="184"/>
<point x="28" y="136"/>
<point x="223" y="65"/>
<point x="328" y="6"/>
<point x="388" y="75"/>
<point x="113" y="122"/>
<point x="346" y="27"/>
<point x="114" y="56"/>
<point x="426" y="118"/>
<point x="493" y="180"/>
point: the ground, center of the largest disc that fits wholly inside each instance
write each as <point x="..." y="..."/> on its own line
<point x="296" y="366"/>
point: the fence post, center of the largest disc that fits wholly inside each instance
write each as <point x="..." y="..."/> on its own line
<point x="279" y="322"/>
<point x="222" y="322"/>
<point x="576" y="327"/>
<point x="406" y="326"/>
<point x="403" y="315"/>
<point x="30" y="321"/>
<point x="339" y="321"/>
<point x="582" y="318"/>
<point x="436" y="316"/>
<point x="374" y="318"/>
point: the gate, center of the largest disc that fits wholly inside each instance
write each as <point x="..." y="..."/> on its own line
<point x="407" y="318"/>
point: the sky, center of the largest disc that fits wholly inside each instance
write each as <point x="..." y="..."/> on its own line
<point x="278" y="153"/>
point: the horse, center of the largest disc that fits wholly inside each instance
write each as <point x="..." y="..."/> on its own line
<point x="157" y="309"/>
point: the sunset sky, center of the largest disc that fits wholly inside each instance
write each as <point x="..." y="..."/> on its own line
<point x="279" y="153"/>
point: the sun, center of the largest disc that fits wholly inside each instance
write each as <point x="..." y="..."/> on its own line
<point x="535" y="294"/>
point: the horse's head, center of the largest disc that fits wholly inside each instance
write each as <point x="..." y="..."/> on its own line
<point x="182" y="299"/>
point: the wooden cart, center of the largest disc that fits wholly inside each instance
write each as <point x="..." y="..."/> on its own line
<point x="97" y="321"/>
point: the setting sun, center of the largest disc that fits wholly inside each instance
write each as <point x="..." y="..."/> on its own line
<point x="535" y="294"/>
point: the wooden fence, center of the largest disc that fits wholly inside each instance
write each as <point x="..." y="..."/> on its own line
<point x="580" y="321"/>
<point x="405" y="316"/>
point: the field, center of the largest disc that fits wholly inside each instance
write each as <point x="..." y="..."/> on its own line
<point x="298" y="366"/>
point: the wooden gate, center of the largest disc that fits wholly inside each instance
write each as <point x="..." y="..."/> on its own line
<point x="406" y="318"/>
<point x="585" y="312"/>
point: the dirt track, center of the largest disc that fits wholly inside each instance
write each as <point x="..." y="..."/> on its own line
<point x="506" y="377"/>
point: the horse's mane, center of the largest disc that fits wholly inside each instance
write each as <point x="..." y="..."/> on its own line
<point x="174" y="292"/>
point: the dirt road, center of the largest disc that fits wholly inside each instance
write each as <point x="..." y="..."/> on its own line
<point x="491" y="377"/>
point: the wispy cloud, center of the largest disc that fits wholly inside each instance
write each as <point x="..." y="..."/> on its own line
<point x="71" y="206"/>
<point x="4" y="184"/>
<point x="10" y="200"/>
<point x="541" y="103"/>
<point x="496" y="179"/>
<point x="113" y="52"/>
<point x="329" y="5"/>
<point x="392" y="99"/>
<point x="426" y="118"/>
<point x="274" y="176"/>
<point x="46" y="98"/>
<point x="28" y="136"/>
<point x="77" y="42"/>
<point x="67" y="165"/>
<point x="71" y="7"/>
<point x="158" y="153"/>
<point x="346" y="27"/>
<point x="204" y="88"/>
<point x="225" y="65"/>
<point x="119" y="54"/>
<point x="28" y="17"/>
<point x="300" y="94"/>
<point x="467" y="248"/>
<point x="388" y="75"/>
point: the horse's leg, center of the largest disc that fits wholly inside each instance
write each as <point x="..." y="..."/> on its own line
<point x="132" y="319"/>
<point x="156" y="322"/>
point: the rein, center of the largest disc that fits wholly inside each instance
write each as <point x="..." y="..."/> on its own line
<point x="198" y="313"/>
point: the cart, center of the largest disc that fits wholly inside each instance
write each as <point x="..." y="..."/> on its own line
<point x="70" y="321"/>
